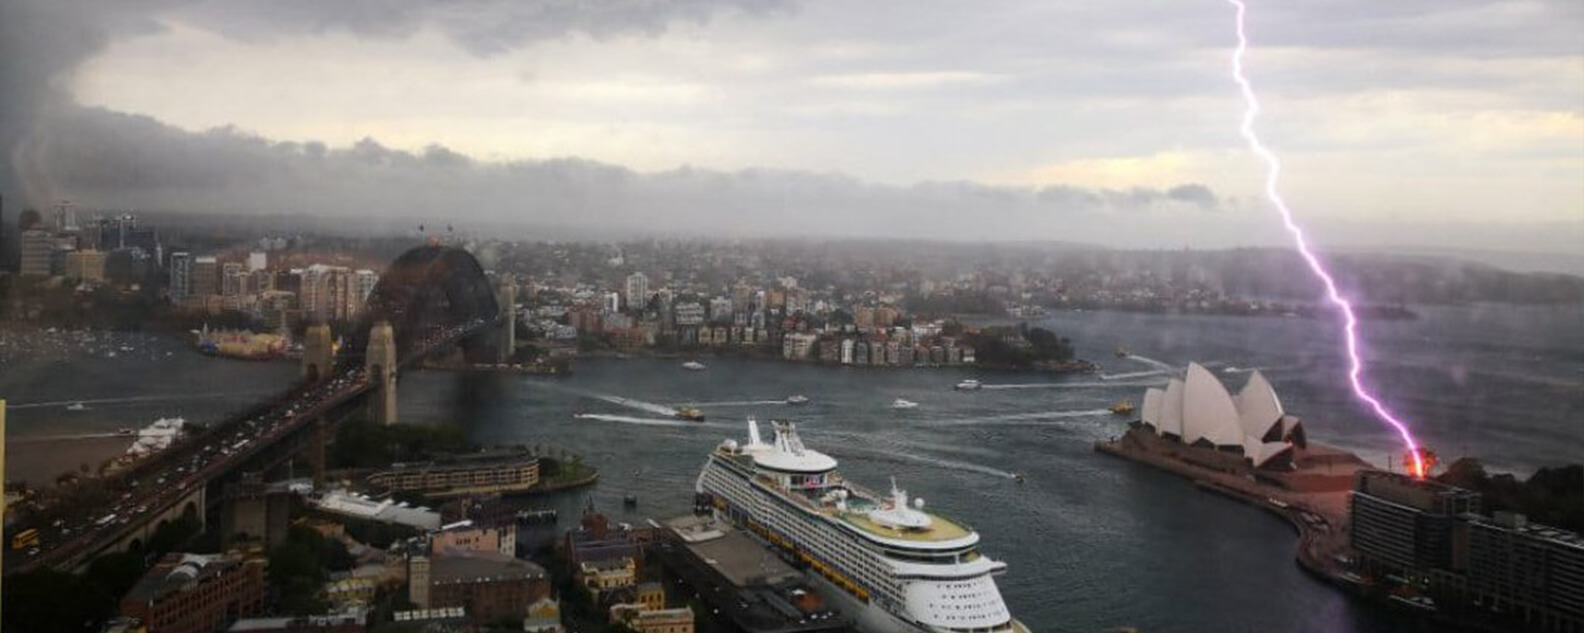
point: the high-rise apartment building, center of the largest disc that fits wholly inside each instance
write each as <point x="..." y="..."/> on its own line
<point x="180" y="276"/>
<point x="205" y="276"/>
<point x="637" y="291"/>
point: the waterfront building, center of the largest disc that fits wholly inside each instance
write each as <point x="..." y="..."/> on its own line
<point x="387" y="511"/>
<point x="1533" y="572"/>
<point x="744" y="582"/>
<point x="193" y="593"/>
<point x="488" y="473"/>
<point x="799" y="345"/>
<point x="720" y="310"/>
<point x="637" y="291"/>
<point x="1198" y="411"/>
<point x="689" y="314"/>
<point x="1403" y="525"/>
<point x="884" y="559"/>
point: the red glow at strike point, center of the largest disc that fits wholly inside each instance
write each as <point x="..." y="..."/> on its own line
<point x="1415" y="461"/>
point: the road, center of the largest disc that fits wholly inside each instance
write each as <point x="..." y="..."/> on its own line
<point x="148" y="488"/>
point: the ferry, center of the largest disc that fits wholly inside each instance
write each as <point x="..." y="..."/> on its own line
<point x="903" y="404"/>
<point x="691" y="415"/>
<point x="694" y="365"/>
<point x="969" y="385"/>
<point x="891" y="565"/>
<point x="797" y="399"/>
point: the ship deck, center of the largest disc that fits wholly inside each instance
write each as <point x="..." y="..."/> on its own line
<point x="941" y="529"/>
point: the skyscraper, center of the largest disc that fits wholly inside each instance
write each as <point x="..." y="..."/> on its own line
<point x="637" y="291"/>
<point x="205" y="276"/>
<point x="180" y="276"/>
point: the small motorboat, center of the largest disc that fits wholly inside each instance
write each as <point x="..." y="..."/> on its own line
<point x="797" y="399"/>
<point x="694" y="365"/>
<point x="691" y="415"/>
<point x="1018" y="477"/>
<point x="903" y="404"/>
<point x="76" y="406"/>
<point x="630" y="501"/>
<point x="1121" y="352"/>
<point x="968" y="385"/>
<point x="125" y="431"/>
<point x="1123" y="407"/>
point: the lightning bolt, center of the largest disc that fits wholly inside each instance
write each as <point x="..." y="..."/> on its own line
<point x="1333" y="295"/>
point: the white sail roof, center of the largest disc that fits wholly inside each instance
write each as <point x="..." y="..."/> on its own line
<point x="1171" y="409"/>
<point x="1199" y="407"/>
<point x="1208" y="410"/>
<point x="1152" y="407"/>
<point x="1258" y="407"/>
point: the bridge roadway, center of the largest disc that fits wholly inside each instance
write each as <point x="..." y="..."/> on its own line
<point x="174" y="482"/>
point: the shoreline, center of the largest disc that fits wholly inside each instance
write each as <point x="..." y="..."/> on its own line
<point x="1311" y="515"/>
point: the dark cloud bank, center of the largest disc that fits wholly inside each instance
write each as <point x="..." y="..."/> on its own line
<point x="55" y="148"/>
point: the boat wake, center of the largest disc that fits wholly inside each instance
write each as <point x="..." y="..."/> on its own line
<point x="1152" y="363"/>
<point x="733" y="403"/>
<point x="1133" y="374"/>
<point x="627" y="419"/>
<point x="639" y="405"/>
<point x="1072" y="385"/>
<point x="1013" y="419"/>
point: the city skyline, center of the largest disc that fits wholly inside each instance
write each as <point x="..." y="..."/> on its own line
<point x="1113" y="126"/>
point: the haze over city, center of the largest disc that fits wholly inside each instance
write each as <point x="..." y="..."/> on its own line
<point x="782" y="316"/>
<point x="1419" y="125"/>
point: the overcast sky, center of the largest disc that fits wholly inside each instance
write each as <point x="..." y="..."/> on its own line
<point x="1409" y="122"/>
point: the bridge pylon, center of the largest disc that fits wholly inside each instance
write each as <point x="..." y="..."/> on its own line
<point x="380" y="365"/>
<point x="506" y="296"/>
<point x="318" y="353"/>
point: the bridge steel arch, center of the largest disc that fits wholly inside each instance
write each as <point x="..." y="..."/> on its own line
<point x="428" y="285"/>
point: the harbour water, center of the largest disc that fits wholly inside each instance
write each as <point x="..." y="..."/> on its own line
<point x="1093" y="543"/>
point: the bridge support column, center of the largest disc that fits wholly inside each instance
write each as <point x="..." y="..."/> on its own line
<point x="380" y="364"/>
<point x="506" y="296"/>
<point x="318" y="353"/>
<point x="316" y="452"/>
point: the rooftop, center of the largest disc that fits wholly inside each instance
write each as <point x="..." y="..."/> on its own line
<point x="481" y="567"/>
<point x="176" y="572"/>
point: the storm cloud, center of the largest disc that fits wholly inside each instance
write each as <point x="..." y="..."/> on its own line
<point x="1107" y="122"/>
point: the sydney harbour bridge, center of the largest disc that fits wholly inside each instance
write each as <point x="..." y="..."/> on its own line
<point x="431" y="300"/>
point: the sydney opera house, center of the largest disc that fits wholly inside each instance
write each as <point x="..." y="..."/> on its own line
<point x="1197" y="411"/>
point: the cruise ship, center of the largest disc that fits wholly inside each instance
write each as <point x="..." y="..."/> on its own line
<point x="894" y="567"/>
